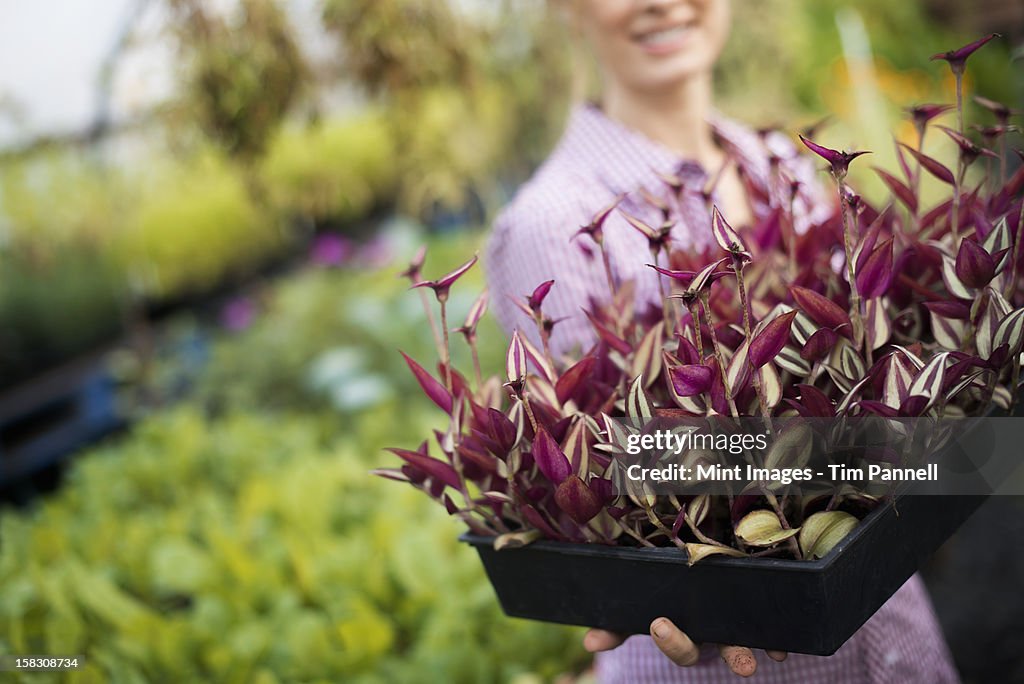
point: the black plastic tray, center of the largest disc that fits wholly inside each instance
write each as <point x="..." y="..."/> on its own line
<point x="808" y="607"/>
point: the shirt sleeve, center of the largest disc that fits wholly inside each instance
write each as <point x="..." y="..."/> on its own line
<point x="534" y="240"/>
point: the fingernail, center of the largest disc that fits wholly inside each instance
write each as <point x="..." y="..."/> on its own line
<point x="660" y="628"/>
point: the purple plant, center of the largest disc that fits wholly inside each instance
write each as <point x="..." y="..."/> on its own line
<point x="928" y="320"/>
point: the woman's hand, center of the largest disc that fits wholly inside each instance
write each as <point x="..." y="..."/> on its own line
<point x="678" y="647"/>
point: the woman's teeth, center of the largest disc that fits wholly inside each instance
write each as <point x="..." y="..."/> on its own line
<point x="666" y="37"/>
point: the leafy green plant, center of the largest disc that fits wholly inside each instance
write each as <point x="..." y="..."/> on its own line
<point x="249" y="548"/>
<point x="195" y="226"/>
<point x="245" y="72"/>
<point x="331" y="172"/>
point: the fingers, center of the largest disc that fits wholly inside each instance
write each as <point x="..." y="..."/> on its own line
<point x="600" y="640"/>
<point x="673" y="643"/>
<point x="740" y="659"/>
<point x="777" y="656"/>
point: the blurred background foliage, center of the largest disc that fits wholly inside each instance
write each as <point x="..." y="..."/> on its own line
<point x="235" y="250"/>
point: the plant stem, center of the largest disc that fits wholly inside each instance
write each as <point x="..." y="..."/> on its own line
<point x="858" y="322"/>
<point x="703" y="538"/>
<point x="529" y="412"/>
<point x="446" y="355"/>
<point x="635" y="535"/>
<point x="662" y="527"/>
<point x="762" y="400"/>
<point x="792" y="237"/>
<point x="1002" y="159"/>
<point x="697" y="338"/>
<point x="722" y="371"/>
<point x="476" y="361"/>
<point x="957" y="185"/>
<point x="1011" y="285"/>
<point x="958" y="74"/>
<point x="774" y="503"/>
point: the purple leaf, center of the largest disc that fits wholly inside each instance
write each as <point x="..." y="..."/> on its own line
<point x="640" y="226"/>
<point x="549" y="457"/>
<point x="503" y="430"/>
<point x="577" y="499"/>
<point x="515" y="362"/>
<point x="607" y="336"/>
<point x="770" y="341"/>
<point x="431" y="387"/>
<point x="684" y="277"/>
<point x="958" y="58"/>
<point x="819" y="345"/>
<point x="686" y="352"/>
<point x="923" y="113"/>
<point x="727" y="238"/>
<point x="821" y="309"/>
<point x="974" y="266"/>
<point x="968" y="150"/>
<point x="708" y="275"/>
<point x="902" y="192"/>
<point x="840" y="161"/>
<point x="949" y="309"/>
<point x="412" y="271"/>
<point x="595" y="229"/>
<point x="815" y="401"/>
<point x="536" y="298"/>
<point x="476" y="312"/>
<point x="442" y="285"/>
<point x="691" y="379"/>
<point x="875" y="276"/>
<point x="931" y="165"/>
<point x="534" y="517"/>
<point x="1001" y="111"/>
<point x="431" y="467"/>
<point x="574" y="378"/>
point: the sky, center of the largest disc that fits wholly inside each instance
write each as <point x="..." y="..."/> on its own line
<point x="52" y="51"/>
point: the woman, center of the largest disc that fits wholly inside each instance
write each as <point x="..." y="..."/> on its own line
<point x="655" y="119"/>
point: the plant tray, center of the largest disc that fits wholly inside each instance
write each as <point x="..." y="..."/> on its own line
<point x="809" y="607"/>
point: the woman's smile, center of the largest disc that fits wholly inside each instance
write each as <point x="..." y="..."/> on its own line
<point x="668" y="40"/>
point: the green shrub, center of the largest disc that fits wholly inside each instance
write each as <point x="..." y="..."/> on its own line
<point x="252" y="548"/>
<point x="197" y="224"/>
<point x="331" y="172"/>
<point x="324" y="330"/>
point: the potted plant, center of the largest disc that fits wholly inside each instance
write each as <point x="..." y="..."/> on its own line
<point x="769" y="325"/>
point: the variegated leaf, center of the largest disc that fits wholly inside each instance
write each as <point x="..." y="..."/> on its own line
<point x="789" y="360"/>
<point x="540" y="362"/>
<point x="792" y="448"/>
<point x="999" y="240"/>
<point x="953" y="283"/>
<point x="698" y="509"/>
<point x="985" y="329"/>
<point x="948" y="332"/>
<point x="515" y="361"/>
<point x="877" y="328"/>
<point x="762" y="528"/>
<point x="803" y="328"/>
<point x="1010" y="332"/>
<point x="771" y="385"/>
<point x="638" y="404"/>
<point x="647" y="357"/>
<point x="698" y="552"/>
<point x="928" y="382"/>
<point x="738" y="370"/>
<point x="822" y="531"/>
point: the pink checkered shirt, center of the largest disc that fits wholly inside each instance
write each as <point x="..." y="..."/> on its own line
<point x="532" y="241"/>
